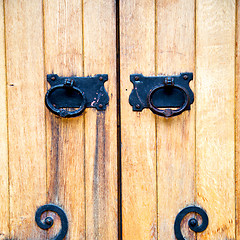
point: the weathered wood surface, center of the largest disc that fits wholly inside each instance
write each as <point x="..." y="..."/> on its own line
<point x="237" y="121"/>
<point x="175" y="53"/>
<point x="4" y="194"/>
<point x="26" y="115"/>
<point x="65" y="137"/>
<point x="51" y="163"/>
<point x="138" y="136"/>
<point x="215" y="112"/>
<point x="167" y="164"/>
<point x="83" y="151"/>
<point x="101" y="127"/>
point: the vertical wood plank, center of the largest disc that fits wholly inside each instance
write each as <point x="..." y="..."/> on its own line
<point x="175" y="53"/>
<point x="65" y="137"/>
<point x="215" y="64"/>
<point x="101" y="127"/>
<point x="4" y="196"/>
<point x="26" y="115"/>
<point x="237" y="140"/>
<point x="137" y="55"/>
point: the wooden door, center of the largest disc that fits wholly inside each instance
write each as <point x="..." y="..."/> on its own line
<point x="190" y="159"/>
<point x="46" y="159"/>
<point x="119" y="174"/>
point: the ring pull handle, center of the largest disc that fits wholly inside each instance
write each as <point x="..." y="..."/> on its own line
<point x="169" y="83"/>
<point x="166" y="96"/>
<point x="70" y="96"/>
<point x="68" y="86"/>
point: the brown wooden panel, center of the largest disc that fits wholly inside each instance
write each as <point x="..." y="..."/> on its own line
<point x="175" y="53"/>
<point x="238" y="121"/>
<point x="26" y="115"/>
<point x="101" y="127"/>
<point x="4" y="196"/>
<point x="215" y="90"/>
<point x="65" y="137"/>
<point x="138" y="149"/>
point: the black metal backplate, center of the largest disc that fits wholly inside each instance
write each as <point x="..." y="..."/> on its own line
<point x="92" y="88"/>
<point x="163" y="98"/>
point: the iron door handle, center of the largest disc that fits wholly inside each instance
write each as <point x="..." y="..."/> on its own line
<point x="69" y="87"/>
<point x="171" y="93"/>
<point x="169" y="112"/>
<point x="76" y="93"/>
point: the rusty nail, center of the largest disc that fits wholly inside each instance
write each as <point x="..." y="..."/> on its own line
<point x="136" y="78"/>
<point x="138" y="106"/>
<point x="100" y="105"/>
<point x="100" y="78"/>
<point x="185" y="77"/>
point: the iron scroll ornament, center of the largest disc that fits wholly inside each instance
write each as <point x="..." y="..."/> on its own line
<point x="48" y="221"/>
<point x="162" y="92"/>
<point x="77" y="93"/>
<point x="192" y="223"/>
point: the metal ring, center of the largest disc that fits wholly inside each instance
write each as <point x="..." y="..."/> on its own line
<point x="169" y="112"/>
<point x="62" y="112"/>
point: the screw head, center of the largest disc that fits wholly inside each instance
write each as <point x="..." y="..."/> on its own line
<point x="100" y="105"/>
<point x="100" y="78"/>
<point x="185" y="77"/>
<point x="53" y="78"/>
<point x="136" y="78"/>
<point x="49" y="221"/>
<point x="193" y="222"/>
<point x="138" y="106"/>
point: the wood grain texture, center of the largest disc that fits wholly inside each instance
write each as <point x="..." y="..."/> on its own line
<point x="167" y="164"/>
<point x="65" y="137"/>
<point x="139" y="196"/>
<point x="4" y="196"/>
<point x="101" y="127"/>
<point x="26" y="116"/>
<point x="175" y="53"/>
<point x="215" y="98"/>
<point x="238" y="121"/>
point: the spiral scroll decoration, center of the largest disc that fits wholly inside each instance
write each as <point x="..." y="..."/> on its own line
<point x="192" y="223"/>
<point x="48" y="221"/>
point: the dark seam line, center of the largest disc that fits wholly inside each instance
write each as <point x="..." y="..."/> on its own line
<point x="118" y="121"/>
